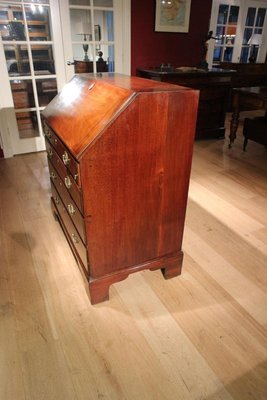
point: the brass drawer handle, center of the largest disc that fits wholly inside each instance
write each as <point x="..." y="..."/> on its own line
<point x="67" y="182"/>
<point x="50" y="153"/>
<point x="65" y="158"/>
<point x="47" y="132"/>
<point x="71" y="209"/>
<point x="74" y="238"/>
<point x="53" y="175"/>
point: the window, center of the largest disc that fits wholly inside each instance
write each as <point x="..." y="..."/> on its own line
<point x="239" y="26"/>
<point x="225" y="32"/>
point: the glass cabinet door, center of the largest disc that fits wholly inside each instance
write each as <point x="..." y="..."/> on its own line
<point x="29" y="57"/>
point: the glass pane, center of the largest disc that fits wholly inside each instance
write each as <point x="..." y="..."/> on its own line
<point x="253" y="53"/>
<point x="101" y="63"/>
<point x="81" y="52"/>
<point x="233" y="17"/>
<point x="22" y="93"/>
<point x="80" y="2"/>
<point x="43" y="60"/>
<point x="230" y="34"/>
<point x="104" y="24"/>
<point x="258" y="30"/>
<point x="103" y="3"/>
<point x="106" y="56"/>
<point x="244" y="54"/>
<point x="217" y="53"/>
<point x="247" y="35"/>
<point x="16" y="30"/>
<point x="38" y="1"/>
<point x="17" y="59"/>
<point x="228" y="54"/>
<point x="220" y="34"/>
<point x="81" y="28"/>
<point x="222" y="15"/>
<point x="251" y="16"/>
<point x="27" y="124"/>
<point x="38" y="22"/>
<point x="260" y="17"/>
<point x="11" y="23"/>
<point x="46" y="90"/>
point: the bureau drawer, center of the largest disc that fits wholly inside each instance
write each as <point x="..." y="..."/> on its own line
<point x="71" y="231"/>
<point x="63" y="153"/>
<point x="71" y="208"/>
<point x="55" y="160"/>
<point x="68" y="183"/>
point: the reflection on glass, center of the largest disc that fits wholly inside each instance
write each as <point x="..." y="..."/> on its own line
<point x="260" y="17"/>
<point x="104" y="19"/>
<point x="78" y="52"/>
<point x="220" y="32"/>
<point x="27" y="124"/>
<point x="81" y="28"/>
<point x="38" y="22"/>
<point x="103" y="3"/>
<point x="233" y="17"/>
<point x="222" y="15"/>
<point x="38" y="1"/>
<point x="22" y="93"/>
<point x="46" y="90"/>
<point x="43" y="60"/>
<point x="17" y="60"/>
<point x="11" y="23"/>
<point x="247" y="35"/>
<point x="230" y="35"/>
<point x="97" y="3"/>
<point x="80" y="2"/>
<point x="101" y="63"/>
<point x="105" y="58"/>
<point x="217" y="53"/>
<point x="244" y="54"/>
<point x="228" y="54"/>
<point x="258" y="30"/>
<point x="251" y="16"/>
<point x="254" y="52"/>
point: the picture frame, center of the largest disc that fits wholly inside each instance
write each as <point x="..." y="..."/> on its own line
<point x="172" y="15"/>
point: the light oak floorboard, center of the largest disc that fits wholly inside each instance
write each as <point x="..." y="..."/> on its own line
<point x="200" y="336"/>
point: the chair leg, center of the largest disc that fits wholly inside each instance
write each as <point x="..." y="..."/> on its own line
<point x="245" y="144"/>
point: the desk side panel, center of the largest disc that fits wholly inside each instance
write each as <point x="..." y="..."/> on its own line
<point x="137" y="177"/>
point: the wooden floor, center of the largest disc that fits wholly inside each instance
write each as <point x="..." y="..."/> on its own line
<point x="201" y="336"/>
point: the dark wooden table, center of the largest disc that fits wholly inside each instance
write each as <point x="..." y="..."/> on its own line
<point x="246" y="98"/>
<point x="214" y="86"/>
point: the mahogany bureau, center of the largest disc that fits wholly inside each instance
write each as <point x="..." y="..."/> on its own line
<point x="119" y="154"/>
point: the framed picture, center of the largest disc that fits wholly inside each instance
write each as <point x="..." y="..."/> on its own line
<point x="172" y="15"/>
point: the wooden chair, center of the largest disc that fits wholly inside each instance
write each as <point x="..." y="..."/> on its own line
<point x="255" y="129"/>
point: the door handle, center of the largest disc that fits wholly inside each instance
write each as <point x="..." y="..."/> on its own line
<point x="71" y="62"/>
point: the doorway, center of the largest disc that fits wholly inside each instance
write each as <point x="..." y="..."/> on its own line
<point x="239" y="29"/>
<point x="38" y="56"/>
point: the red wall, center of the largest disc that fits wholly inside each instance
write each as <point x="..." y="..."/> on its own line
<point x="150" y="48"/>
